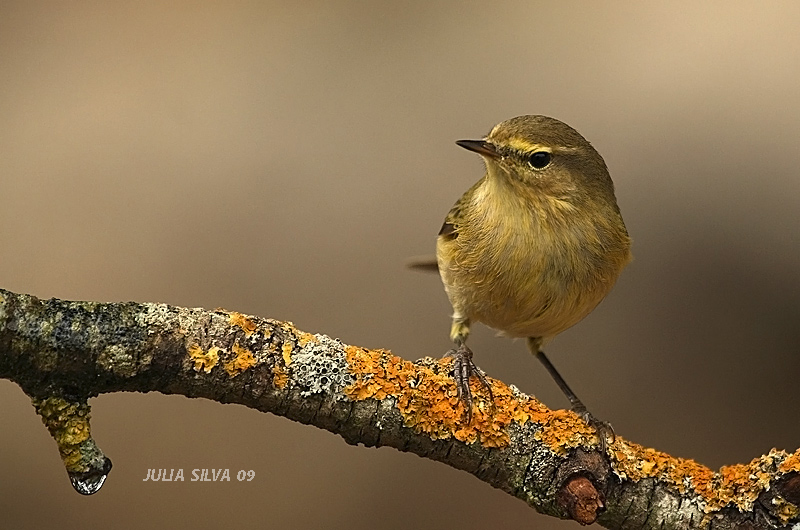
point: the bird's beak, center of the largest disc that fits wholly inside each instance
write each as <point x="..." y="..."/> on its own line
<point x="482" y="147"/>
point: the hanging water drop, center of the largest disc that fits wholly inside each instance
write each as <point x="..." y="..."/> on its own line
<point x="90" y="482"/>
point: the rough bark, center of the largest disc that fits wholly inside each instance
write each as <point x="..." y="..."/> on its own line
<point x="61" y="353"/>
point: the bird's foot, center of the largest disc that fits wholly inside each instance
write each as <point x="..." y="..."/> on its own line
<point x="605" y="433"/>
<point x="463" y="368"/>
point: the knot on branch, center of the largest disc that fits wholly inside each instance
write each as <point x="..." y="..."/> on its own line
<point x="583" y="479"/>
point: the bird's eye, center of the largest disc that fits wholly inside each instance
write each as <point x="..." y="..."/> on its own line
<point x="539" y="159"/>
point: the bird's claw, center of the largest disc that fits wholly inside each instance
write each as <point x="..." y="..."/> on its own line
<point x="463" y="368"/>
<point x="604" y="430"/>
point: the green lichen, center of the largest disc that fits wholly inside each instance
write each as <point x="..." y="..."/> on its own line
<point x="68" y="423"/>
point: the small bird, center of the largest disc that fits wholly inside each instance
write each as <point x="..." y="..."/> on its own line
<point x="533" y="246"/>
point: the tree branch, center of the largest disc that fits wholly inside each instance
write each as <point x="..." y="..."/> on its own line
<point x="61" y="353"/>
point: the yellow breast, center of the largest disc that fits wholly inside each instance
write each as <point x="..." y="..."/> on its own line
<point x="528" y="264"/>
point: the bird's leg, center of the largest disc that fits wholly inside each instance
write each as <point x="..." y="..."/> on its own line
<point x="464" y="366"/>
<point x="603" y="428"/>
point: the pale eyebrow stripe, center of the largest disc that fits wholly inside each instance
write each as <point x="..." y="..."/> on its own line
<point x="524" y="146"/>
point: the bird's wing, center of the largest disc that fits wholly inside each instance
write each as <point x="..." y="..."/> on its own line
<point x="456" y="214"/>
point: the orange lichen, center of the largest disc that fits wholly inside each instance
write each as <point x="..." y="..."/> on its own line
<point x="279" y="377"/>
<point x="304" y="338"/>
<point x="738" y="485"/>
<point x="204" y="360"/>
<point x="791" y="463"/>
<point x="563" y="430"/>
<point x="242" y="361"/>
<point x="240" y="320"/>
<point x="635" y="462"/>
<point x="286" y="349"/>
<point x="428" y="401"/>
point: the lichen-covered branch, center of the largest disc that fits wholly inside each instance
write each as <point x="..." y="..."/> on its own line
<point x="61" y="353"/>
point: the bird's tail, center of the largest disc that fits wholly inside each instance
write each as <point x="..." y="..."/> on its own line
<point x="423" y="263"/>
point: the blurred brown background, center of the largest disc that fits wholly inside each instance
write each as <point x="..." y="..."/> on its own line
<point x="285" y="159"/>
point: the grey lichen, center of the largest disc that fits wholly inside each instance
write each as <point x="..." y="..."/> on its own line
<point x="321" y="366"/>
<point x="117" y="359"/>
<point x="153" y="317"/>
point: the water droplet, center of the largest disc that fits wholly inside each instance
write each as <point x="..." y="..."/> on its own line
<point x="90" y="482"/>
